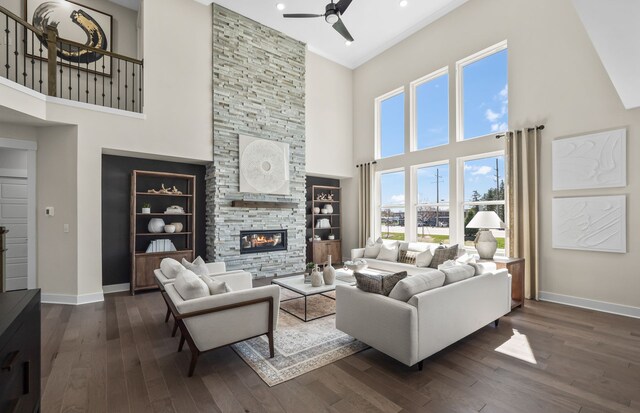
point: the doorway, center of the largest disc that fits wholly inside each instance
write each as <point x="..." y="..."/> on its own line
<point x="17" y="211"/>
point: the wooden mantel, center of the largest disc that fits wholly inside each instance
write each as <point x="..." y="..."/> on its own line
<point x="264" y="204"/>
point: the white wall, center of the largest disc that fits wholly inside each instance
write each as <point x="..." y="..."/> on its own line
<point x="329" y="118"/>
<point x="555" y="78"/>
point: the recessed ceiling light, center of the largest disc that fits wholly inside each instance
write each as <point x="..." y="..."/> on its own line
<point x="347" y="43"/>
<point x="403" y="3"/>
<point x="280" y="6"/>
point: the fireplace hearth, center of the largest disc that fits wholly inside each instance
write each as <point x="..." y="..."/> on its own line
<point x="256" y="241"/>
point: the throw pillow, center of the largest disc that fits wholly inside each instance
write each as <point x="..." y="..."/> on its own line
<point x="198" y="266"/>
<point x="424" y="259"/>
<point x="408" y="257"/>
<point x="457" y="273"/>
<point x="215" y="287"/>
<point x="388" y="253"/>
<point x="416" y="284"/>
<point x="378" y="283"/>
<point x="465" y="258"/>
<point x="170" y="267"/>
<point x="372" y="249"/>
<point x="483" y="267"/>
<point x="190" y="286"/>
<point x="440" y="255"/>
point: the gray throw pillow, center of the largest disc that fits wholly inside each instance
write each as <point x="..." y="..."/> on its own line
<point x="198" y="266"/>
<point x="378" y="283"/>
<point x="215" y="286"/>
<point x="457" y="273"/>
<point x="440" y="255"/>
<point x="416" y="284"/>
<point x="190" y="286"/>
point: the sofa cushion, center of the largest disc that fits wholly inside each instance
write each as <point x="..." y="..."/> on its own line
<point x="198" y="266"/>
<point x="378" y="283"/>
<point x="170" y="267"/>
<point x="388" y="253"/>
<point x="440" y="255"/>
<point x="416" y="284"/>
<point x="457" y="273"/>
<point x="215" y="286"/>
<point x="423" y="259"/>
<point x="190" y="286"/>
<point x="372" y="249"/>
<point x="483" y="267"/>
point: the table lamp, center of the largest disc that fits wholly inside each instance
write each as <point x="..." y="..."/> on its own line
<point x="485" y="242"/>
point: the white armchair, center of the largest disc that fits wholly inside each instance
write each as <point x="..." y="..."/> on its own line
<point x="215" y="321"/>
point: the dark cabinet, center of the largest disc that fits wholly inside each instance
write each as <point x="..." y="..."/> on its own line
<point x="20" y="351"/>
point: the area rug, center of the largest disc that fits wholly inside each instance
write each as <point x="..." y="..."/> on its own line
<point x="299" y="347"/>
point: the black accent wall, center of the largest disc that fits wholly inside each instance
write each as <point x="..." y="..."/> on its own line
<point x="116" y="192"/>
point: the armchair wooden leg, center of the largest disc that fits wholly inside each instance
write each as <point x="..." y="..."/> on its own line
<point x="166" y="318"/>
<point x="182" y="340"/>
<point x="420" y="366"/>
<point x="175" y="328"/>
<point x="271" y="349"/>
<point x="194" y="360"/>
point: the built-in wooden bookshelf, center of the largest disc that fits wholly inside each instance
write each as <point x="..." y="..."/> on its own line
<point x="142" y="262"/>
<point x="318" y="250"/>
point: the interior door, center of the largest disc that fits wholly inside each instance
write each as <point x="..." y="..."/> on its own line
<point x="13" y="216"/>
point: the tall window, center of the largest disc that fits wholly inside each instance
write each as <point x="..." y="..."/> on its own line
<point x="432" y="209"/>
<point x="483" y="191"/>
<point x="483" y="93"/>
<point x="430" y="112"/>
<point x="390" y="124"/>
<point x="392" y="224"/>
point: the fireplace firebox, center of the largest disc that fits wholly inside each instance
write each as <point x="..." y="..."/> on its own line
<point x="256" y="241"/>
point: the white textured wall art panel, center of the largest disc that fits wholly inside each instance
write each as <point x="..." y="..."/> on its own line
<point x="596" y="223"/>
<point x="264" y="166"/>
<point x="596" y="160"/>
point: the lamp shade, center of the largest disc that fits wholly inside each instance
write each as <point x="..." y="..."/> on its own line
<point x="486" y="219"/>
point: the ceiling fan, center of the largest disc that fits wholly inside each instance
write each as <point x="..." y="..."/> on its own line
<point x="332" y="14"/>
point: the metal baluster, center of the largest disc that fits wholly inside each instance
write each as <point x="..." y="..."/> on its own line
<point x="95" y="82"/>
<point x="15" y="48"/>
<point x="111" y="86"/>
<point x="40" y="52"/>
<point x="24" y="58"/>
<point x="103" y="79"/>
<point x="118" y="83"/>
<point x="33" y="63"/>
<point x="141" y="85"/>
<point x="70" y="87"/>
<point x="7" y="33"/>
<point x="78" y="74"/>
<point x="133" y="88"/>
<point x="126" y="86"/>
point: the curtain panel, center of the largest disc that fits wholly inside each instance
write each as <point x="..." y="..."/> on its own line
<point x="365" y="186"/>
<point x="522" y="158"/>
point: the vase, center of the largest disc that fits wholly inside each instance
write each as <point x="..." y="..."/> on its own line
<point x="169" y="229"/>
<point x="329" y="273"/>
<point x="178" y="225"/>
<point x="316" y="277"/>
<point x="316" y="210"/>
<point x="156" y="225"/>
<point x="329" y="208"/>
<point x="146" y="210"/>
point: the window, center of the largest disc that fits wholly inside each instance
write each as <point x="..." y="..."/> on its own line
<point x="483" y="191"/>
<point x="390" y="124"/>
<point x="483" y="93"/>
<point x="432" y="208"/>
<point x="392" y="205"/>
<point x="430" y="110"/>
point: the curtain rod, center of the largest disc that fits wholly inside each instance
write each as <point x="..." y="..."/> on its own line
<point x="372" y="163"/>
<point x="537" y="127"/>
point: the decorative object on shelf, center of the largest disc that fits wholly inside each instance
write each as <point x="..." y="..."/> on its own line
<point x="264" y="166"/>
<point x="329" y="208"/>
<point x="317" y="238"/>
<point x="161" y="245"/>
<point x="146" y="208"/>
<point x="323" y="223"/>
<point x="156" y="225"/>
<point x="485" y="242"/>
<point x="356" y="265"/>
<point x="169" y="229"/>
<point x="178" y="225"/>
<point x="74" y="22"/>
<point x="596" y="223"/>
<point x="321" y="196"/>
<point x="323" y="211"/>
<point x="307" y="274"/>
<point x="174" y="209"/>
<point x="316" y="210"/>
<point x="175" y="191"/>
<point x="597" y="160"/>
<point x="331" y="237"/>
<point x="316" y="277"/>
<point x="329" y="273"/>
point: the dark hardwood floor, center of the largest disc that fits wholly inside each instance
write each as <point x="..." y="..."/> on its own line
<point x="118" y="356"/>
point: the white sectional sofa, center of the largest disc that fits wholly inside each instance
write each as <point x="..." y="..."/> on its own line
<point x="428" y="322"/>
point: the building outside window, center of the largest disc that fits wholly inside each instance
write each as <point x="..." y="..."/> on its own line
<point x="432" y="208"/>
<point x="391" y="211"/>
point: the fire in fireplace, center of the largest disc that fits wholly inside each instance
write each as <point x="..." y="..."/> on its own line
<point x="252" y="242"/>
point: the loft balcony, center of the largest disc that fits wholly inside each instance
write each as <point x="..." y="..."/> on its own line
<point x="44" y="62"/>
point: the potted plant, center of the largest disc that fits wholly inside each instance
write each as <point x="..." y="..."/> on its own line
<point x="307" y="274"/>
<point x="146" y="208"/>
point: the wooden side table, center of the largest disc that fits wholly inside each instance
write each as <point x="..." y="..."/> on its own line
<point x="515" y="266"/>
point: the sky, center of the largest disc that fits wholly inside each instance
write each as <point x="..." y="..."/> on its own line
<point x="485" y="108"/>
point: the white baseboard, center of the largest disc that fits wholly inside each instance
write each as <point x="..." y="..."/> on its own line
<point x="69" y="299"/>
<point x="116" y="288"/>
<point x="603" y="306"/>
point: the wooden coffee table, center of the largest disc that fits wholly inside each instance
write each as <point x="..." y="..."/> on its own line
<point x="298" y="286"/>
